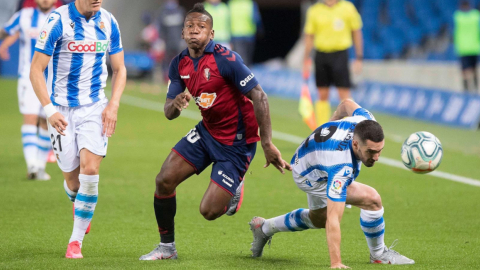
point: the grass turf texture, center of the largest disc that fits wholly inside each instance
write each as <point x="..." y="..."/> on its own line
<point x="435" y="220"/>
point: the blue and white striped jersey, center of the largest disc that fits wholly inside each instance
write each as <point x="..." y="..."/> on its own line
<point x="27" y="22"/>
<point x="77" y="71"/>
<point x="327" y="155"/>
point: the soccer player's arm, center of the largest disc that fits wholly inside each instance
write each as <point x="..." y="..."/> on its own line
<point x="119" y="79"/>
<point x="9" y="33"/>
<point x="231" y="67"/>
<point x="346" y="108"/>
<point x="336" y="197"/>
<point x="177" y="99"/>
<point x="51" y="32"/>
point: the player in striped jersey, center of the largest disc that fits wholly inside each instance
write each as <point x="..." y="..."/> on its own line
<point x="25" y="24"/>
<point x="72" y="49"/>
<point x="325" y="166"/>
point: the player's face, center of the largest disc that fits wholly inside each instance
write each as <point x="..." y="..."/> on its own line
<point x="91" y="5"/>
<point x="45" y="5"/>
<point x="368" y="152"/>
<point x="197" y="30"/>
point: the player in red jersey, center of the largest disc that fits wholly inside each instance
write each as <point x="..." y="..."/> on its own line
<point x="233" y="107"/>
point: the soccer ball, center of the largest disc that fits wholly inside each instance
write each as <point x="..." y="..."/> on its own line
<point x="422" y="152"/>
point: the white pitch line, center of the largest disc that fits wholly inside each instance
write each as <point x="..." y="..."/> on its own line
<point x="158" y="106"/>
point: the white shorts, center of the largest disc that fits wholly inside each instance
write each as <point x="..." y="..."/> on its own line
<point x="84" y="130"/>
<point x="316" y="191"/>
<point x="27" y="100"/>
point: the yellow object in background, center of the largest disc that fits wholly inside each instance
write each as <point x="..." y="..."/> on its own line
<point x="305" y="107"/>
<point x="323" y="112"/>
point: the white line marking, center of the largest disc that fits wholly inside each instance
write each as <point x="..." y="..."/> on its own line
<point x="158" y="106"/>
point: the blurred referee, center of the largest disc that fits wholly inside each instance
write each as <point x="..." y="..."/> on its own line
<point x="330" y="27"/>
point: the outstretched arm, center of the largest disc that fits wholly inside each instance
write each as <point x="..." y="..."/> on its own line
<point x="344" y="109"/>
<point x="173" y="107"/>
<point x="332" y="227"/>
<point x="262" y="113"/>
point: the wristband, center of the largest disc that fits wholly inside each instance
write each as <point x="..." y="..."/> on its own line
<point x="50" y="110"/>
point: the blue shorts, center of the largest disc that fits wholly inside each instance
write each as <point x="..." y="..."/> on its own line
<point x="469" y="61"/>
<point x="230" y="163"/>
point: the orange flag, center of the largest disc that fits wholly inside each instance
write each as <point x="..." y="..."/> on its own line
<point x="305" y="107"/>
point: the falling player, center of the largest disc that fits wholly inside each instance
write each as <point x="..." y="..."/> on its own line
<point x="325" y="166"/>
<point x="73" y="44"/>
<point x="25" y="24"/>
<point x="231" y="102"/>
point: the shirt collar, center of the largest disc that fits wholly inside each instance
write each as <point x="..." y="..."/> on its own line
<point x="77" y="14"/>
<point x="210" y="47"/>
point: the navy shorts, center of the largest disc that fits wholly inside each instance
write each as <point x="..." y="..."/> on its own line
<point x="230" y="163"/>
<point x="469" y="61"/>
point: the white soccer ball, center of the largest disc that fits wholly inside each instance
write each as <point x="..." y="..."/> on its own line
<point x="422" y="152"/>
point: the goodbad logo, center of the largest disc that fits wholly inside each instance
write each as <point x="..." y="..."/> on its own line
<point x="99" y="46"/>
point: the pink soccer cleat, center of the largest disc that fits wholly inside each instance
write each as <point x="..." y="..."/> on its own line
<point x="74" y="251"/>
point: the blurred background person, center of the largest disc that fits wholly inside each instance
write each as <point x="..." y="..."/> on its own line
<point x="466" y="38"/>
<point x="245" y="22"/>
<point x="170" y="24"/>
<point x="25" y="24"/>
<point x="221" y="21"/>
<point x="329" y="28"/>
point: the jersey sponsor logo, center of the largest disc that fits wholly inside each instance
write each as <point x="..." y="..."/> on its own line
<point x="205" y="100"/>
<point x="206" y="74"/>
<point x="99" y="46"/>
<point x="185" y="76"/>
<point x="247" y="79"/>
<point x="342" y="146"/>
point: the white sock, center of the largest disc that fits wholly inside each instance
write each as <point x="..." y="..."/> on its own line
<point x="43" y="148"/>
<point x="297" y="220"/>
<point x="373" y="227"/>
<point x="71" y="194"/>
<point x="85" y="203"/>
<point x="30" y="148"/>
<point x="172" y="244"/>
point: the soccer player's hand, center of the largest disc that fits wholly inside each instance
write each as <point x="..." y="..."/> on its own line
<point x="274" y="157"/>
<point x="181" y="101"/>
<point x="58" y="122"/>
<point x="339" y="266"/>
<point x="4" y="55"/>
<point x="357" y="66"/>
<point x="109" y="119"/>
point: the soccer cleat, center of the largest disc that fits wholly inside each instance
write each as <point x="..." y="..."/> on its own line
<point x="390" y="256"/>
<point x="161" y="252"/>
<point x="236" y="201"/>
<point x="259" y="238"/>
<point x="74" y="251"/>
<point x="32" y="173"/>
<point x="42" y="176"/>
<point x="89" y="224"/>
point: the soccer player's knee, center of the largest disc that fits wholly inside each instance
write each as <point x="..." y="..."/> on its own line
<point x="209" y="214"/>
<point x="164" y="186"/>
<point x="375" y="200"/>
<point x="90" y="168"/>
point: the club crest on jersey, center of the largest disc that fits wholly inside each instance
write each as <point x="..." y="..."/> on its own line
<point x="205" y="100"/>
<point x="206" y="73"/>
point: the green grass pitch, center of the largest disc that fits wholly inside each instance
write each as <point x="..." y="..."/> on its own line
<point x="436" y="221"/>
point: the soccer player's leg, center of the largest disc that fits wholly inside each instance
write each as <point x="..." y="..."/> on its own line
<point x="323" y="79"/>
<point x="296" y="220"/>
<point x="187" y="157"/>
<point x="373" y="224"/>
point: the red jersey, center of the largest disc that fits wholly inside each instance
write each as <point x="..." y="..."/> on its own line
<point x="218" y="81"/>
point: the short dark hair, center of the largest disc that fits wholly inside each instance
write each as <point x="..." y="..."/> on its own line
<point x="369" y="130"/>
<point x="200" y="8"/>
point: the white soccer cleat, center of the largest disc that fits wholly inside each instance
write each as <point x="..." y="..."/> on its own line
<point x="42" y="176"/>
<point x="259" y="238"/>
<point x="390" y="256"/>
<point x="161" y="252"/>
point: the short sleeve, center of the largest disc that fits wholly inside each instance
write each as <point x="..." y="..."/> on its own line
<point x="355" y="19"/>
<point x="13" y="25"/>
<point x="51" y="32"/>
<point x="175" y="83"/>
<point x="365" y="113"/>
<point x="231" y="67"/>
<point x="338" y="182"/>
<point x="115" y="38"/>
<point x="310" y="22"/>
